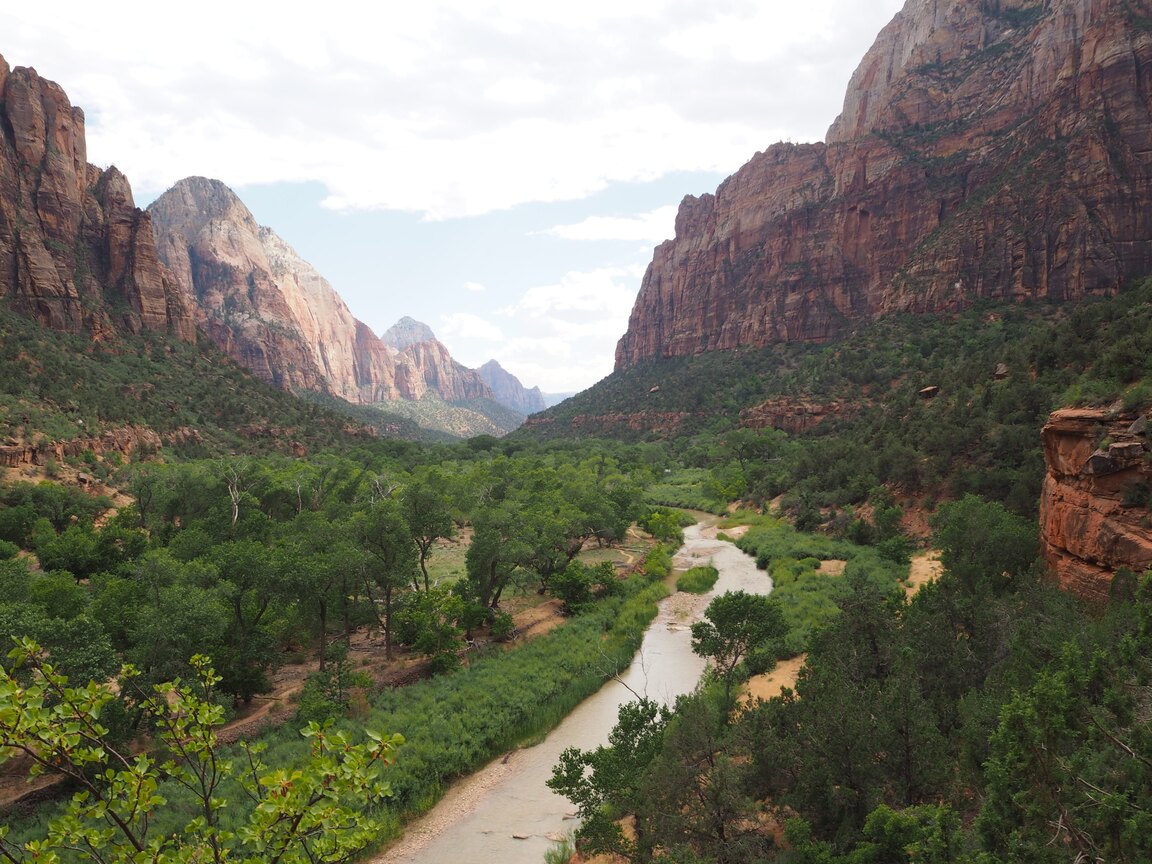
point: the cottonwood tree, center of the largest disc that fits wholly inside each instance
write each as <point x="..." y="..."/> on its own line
<point x="391" y="558"/>
<point x="736" y="624"/>
<point x="606" y="783"/>
<point x="427" y="506"/>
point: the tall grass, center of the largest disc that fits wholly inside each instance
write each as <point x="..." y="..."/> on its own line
<point x="454" y="724"/>
<point x="808" y="595"/>
<point x="698" y="580"/>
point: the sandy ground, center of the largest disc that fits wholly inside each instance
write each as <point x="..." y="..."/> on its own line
<point x="733" y="533"/>
<point x="771" y="684"/>
<point x="925" y="567"/>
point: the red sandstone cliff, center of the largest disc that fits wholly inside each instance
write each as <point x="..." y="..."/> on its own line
<point x="276" y="315"/>
<point x="986" y="150"/>
<point x="1094" y="516"/>
<point x="71" y="238"/>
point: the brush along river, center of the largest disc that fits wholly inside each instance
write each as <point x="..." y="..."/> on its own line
<point x="504" y="813"/>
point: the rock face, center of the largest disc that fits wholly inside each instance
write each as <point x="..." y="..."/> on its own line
<point x="508" y="391"/>
<point x="124" y="441"/>
<point x="275" y="314"/>
<point x="660" y="424"/>
<point x="985" y="150"/>
<point x="75" y="252"/>
<point x="794" y="416"/>
<point x="428" y="367"/>
<point x="1094" y="508"/>
<point x="407" y="332"/>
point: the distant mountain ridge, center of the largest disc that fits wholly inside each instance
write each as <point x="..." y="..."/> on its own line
<point x="996" y="150"/>
<point x="508" y="390"/>
<point x="407" y="332"/>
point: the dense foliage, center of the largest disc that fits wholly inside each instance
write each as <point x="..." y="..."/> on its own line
<point x="251" y="560"/>
<point x="454" y="724"/>
<point x="60" y="386"/>
<point x="989" y="718"/>
<point x="296" y="816"/>
<point x="1000" y="370"/>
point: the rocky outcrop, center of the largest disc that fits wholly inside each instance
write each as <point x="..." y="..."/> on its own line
<point x="1094" y="508"/>
<point x="508" y="391"/>
<point x="985" y="150"/>
<point x="427" y="366"/>
<point x="124" y="441"/>
<point x="259" y="301"/>
<point x="275" y="314"/>
<point x="658" y="424"/>
<point x="794" y="416"/>
<point x="75" y="252"/>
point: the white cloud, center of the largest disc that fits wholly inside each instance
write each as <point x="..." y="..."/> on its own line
<point x="450" y="108"/>
<point x="464" y="325"/>
<point x="446" y="107"/>
<point x="654" y="226"/>
<point x="519" y="91"/>
<point x="573" y="326"/>
<point x="598" y="293"/>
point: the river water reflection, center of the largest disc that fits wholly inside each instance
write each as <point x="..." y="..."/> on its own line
<point x="505" y="814"/>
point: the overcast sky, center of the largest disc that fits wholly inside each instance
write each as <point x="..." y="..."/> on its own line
<point x="499" y="170"/>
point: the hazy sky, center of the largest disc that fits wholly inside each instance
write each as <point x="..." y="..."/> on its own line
<point x="499" y="170"/>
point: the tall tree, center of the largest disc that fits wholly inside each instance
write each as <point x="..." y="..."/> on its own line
<point x="391" y="558"/>
<point x="736" y="625"/>
<point x="427" y="506"/>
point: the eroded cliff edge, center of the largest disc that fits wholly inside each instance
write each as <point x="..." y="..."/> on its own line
<point x="998" y="150"/>
<point x="1094" y="507"/>
<point x="75" y="252"/>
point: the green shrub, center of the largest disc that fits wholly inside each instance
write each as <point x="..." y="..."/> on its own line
<point x="658" y="563"/>
<point x="698" y="580"/>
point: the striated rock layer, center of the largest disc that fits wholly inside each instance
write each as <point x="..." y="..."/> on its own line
<point x="275" y="314"/>
<point x="1094" y="516"/>
<point x="75" y="252"/>
<point x="985" y="150"/>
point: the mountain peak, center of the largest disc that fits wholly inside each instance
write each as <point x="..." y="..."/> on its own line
<point x="407" y="332"/>
<point x="75" y="252"/>
<point x="508" y="391"/>
<point x="205" y="197"/>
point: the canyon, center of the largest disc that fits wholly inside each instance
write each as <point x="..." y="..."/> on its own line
<point x="985" y="151"/>
<point x="77" y="255"/>
<point x="276" y="315"/>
